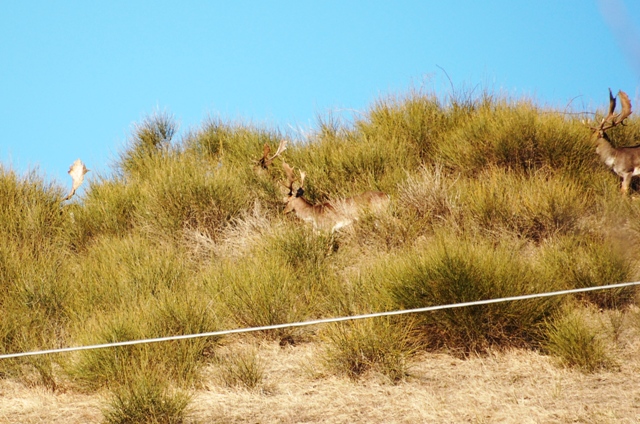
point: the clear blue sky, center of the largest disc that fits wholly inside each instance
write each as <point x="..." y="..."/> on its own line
<point x="76" y="75"/>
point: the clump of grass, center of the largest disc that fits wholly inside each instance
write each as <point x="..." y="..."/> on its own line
<point x="36" y="296"/>
<point x="30" y="214"/>
<point x="576" y="342"/>
<point x="225" y="144"/>
<point x="133" y="289"/>
<point x="170" y="315"/>
<point x="356" y="162"/>
<point x="150" y="139"/>
<point x="306" y="252"/>
<point x="182" y="194"/>
<point x="147" y="397"/>
<point x="590" y="262"/>
<point x="109" y="209"/>
<point x="430" y="196"/>
<point x="452" y="271"/>
<point x="534" y="207"/>
<point x="416" y="121"/>
<point x="515" y="136"/>
<point x="121" y="271"/>
<point x="241" y="368"/>
<point x="384" y="346"/>
<point x="263" y="290"/>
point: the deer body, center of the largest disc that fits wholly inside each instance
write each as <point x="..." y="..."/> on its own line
<point x="321" y="216"/>
<point x="624" y="161"/>
<point x="331" y="215"/>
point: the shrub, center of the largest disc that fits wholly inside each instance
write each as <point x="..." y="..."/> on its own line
<point x="170" y="315"/>
<point x="417" y="121"/>
<point x="151" y="139"/>
<point x="533" y="207"/>
<point x="431" y="195"/>
<point x="109" y="209"/>
<point x="516" y="136"/>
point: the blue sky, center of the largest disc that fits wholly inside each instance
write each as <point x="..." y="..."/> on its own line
<point x="76" y="75"/>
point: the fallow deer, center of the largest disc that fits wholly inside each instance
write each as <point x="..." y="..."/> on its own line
<point x="76" y="171"/>
<point x="330" y="215"/>
<point x="624" y="161"/>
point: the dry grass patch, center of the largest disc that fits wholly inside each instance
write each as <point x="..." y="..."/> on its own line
<point x="513" y="386"/>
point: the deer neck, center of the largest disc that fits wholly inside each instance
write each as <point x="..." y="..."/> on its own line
<point x="303" y="209"/>
<point x="605" y="150"/>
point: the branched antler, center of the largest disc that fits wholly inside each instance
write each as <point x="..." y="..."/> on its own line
<point x="611" y="120"/>
<point x="291" y="178"/>
<point x="265" y="161"/>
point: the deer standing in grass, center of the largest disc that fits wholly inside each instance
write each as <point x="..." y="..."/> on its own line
<point x="624" y="161"/>
<point x="330" y="215"/>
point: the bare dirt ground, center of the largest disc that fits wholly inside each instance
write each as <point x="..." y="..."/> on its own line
<point x="502" y="387"/>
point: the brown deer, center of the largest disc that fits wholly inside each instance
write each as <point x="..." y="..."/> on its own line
<point x="77" y="171"/>
<point x="624" y="161"/>
<point x="330" y="215"/>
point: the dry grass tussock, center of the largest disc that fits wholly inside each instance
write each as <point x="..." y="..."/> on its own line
<point x="517" y="386"/>
<point x="238" y="237"/>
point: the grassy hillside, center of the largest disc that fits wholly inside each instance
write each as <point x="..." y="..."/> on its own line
<point x="491" y="197"/>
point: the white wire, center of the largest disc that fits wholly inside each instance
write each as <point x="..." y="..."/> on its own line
<point x="318" y="321"/>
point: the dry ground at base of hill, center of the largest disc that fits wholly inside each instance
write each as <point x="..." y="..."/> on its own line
<point x="507" y="387"/>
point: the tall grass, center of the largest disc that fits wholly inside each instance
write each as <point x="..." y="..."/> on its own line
<point x="491" y="197"/>
<point x="35" y="297"/>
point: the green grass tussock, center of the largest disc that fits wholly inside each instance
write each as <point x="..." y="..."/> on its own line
<point x="574" y="339"/>
<point x="241" y="368"/>
<point x="147" y="398"/>
<point x="381" y="346"/>
<point x="457" y="270"/>
<point x="580" y="262"/>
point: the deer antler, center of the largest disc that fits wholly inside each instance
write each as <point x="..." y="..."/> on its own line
<point x="611" y="120"/>
<point x="302" y="175"/>
<point x="291" y="178"/>
<point x="626" y="108"/>
<point x="265" y="161"/>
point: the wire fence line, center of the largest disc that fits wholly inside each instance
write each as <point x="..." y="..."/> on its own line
<point x="319" y="321"/>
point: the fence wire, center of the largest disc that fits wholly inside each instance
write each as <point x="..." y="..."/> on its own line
<point x="318" y="321"/>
